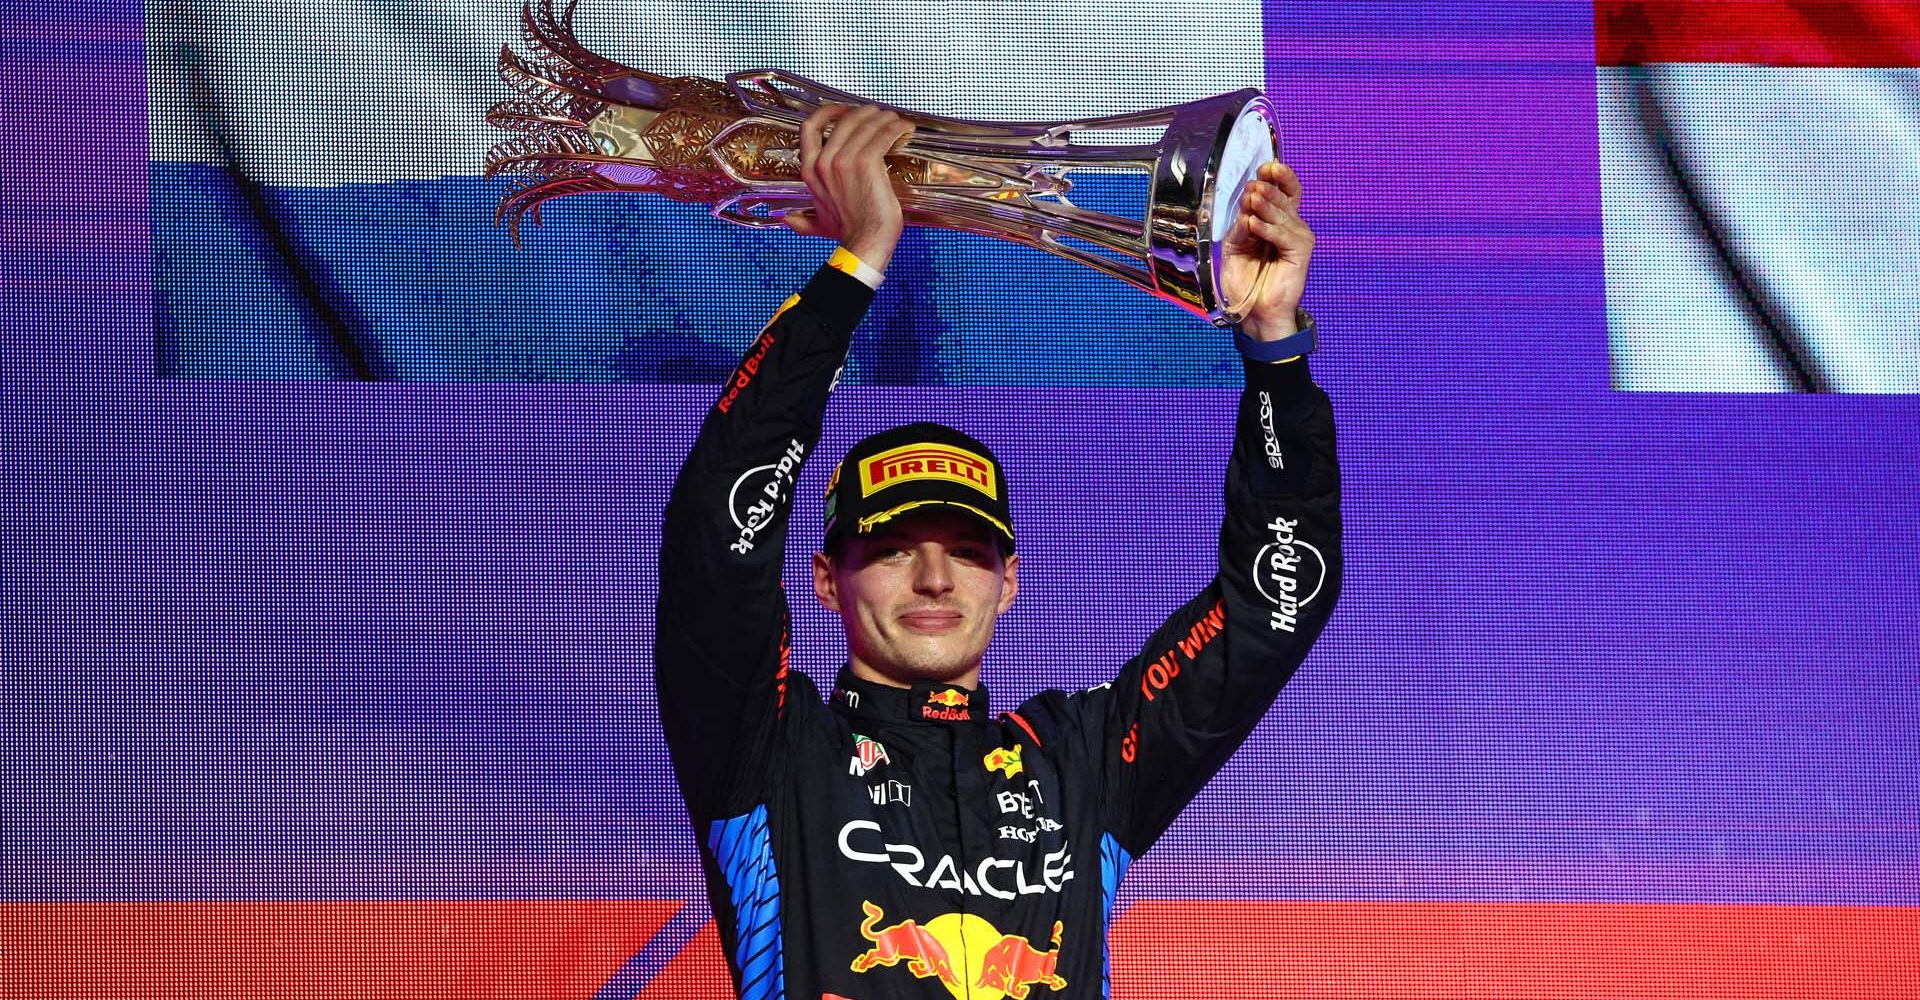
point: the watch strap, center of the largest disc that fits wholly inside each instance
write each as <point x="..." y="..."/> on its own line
<point x="1304" y="341"/>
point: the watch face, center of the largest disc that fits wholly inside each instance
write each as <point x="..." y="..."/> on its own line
<point x="1249" y="145"/>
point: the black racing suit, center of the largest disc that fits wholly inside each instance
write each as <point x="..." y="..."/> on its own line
<point x="895" y="842"/>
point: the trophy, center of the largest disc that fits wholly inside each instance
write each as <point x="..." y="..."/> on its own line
<point x="588" y="123"/>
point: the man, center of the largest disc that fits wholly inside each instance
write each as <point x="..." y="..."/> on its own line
<point x="900" y="841"/>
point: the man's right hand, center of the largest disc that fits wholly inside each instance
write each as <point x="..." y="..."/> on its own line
<point x="846" y="171"/>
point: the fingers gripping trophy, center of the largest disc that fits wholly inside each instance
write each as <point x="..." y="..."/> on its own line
<point x="1220" y="234"/>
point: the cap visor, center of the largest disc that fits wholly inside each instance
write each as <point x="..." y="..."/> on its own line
<point x="868" y="523"/>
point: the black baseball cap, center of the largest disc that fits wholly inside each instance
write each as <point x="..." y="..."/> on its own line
<point x="913" y="467"/>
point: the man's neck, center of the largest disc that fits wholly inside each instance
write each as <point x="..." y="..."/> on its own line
<point x="872" y="675"/>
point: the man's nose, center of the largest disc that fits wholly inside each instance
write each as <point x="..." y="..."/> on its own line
<point x="933" y="571"/>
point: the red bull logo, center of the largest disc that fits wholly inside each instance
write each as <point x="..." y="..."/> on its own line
<point x="1015" y="967"/>
<point x="947" y="705"/>
<point x="750" y="366"/>
<point x="923" y="952"/>
<point x="1008" y="965"/>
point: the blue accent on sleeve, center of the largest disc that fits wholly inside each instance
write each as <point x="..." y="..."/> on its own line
<point x="745" y="855"/>
<point x="1305" y="341"/>
<point x="1114" y="860"/>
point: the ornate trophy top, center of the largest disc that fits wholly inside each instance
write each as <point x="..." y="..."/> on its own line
<point x="588" y="123"/>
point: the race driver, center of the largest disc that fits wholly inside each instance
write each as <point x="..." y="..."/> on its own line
<point x="898" y="839"/>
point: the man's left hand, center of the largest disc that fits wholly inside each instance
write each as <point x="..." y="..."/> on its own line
<point x="1268" y="228"/>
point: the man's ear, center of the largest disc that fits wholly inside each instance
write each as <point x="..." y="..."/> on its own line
<point x="824" y="585"/>
<point x="1009" y="583"/>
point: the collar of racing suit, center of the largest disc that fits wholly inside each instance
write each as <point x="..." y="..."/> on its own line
<point x="943" y="704"/>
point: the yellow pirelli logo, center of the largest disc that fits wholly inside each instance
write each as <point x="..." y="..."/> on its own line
<point x="927" y="461"/>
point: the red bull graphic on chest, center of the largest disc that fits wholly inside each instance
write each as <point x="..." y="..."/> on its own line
<point x="928" y="461"/>
<point x="945" y="947"/>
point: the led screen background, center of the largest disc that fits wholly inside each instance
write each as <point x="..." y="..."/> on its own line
<point x="325" y="687"/>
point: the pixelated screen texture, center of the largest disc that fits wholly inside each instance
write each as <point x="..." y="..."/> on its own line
<point x="319" y="686"/>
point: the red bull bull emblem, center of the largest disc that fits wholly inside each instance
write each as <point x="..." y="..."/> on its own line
<point x="867" y="755"/>
<point x="1006" y="760"/>
<point x="1008" y="965"/>
<point x="1014" y="966"/>
<point x="946" y="705"/>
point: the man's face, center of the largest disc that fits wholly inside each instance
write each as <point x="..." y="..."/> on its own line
<point x="919" y="596"/>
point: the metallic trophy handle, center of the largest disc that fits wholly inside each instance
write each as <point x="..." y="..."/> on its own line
<point x="588" y="123"/>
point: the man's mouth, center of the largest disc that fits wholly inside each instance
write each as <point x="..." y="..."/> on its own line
<point x="931" y="620"/>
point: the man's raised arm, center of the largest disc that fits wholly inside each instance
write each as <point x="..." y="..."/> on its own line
<point x="721" y="635"/>
<point x="1180" y="708"/>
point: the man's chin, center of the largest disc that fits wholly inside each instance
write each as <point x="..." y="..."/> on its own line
<point x="929" y="666"/>
<point x="940" y="673"/>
